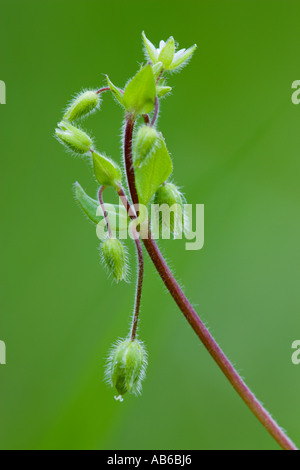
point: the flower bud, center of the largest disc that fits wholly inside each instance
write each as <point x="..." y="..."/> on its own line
<point x="106" y="171"/>
<point x="170" y="195"/>
<point x="163" y="90"/>
<point x="84" y="104"/>
<point x="126" y="367"/>
<point x="73" y="138"/>
<point x="145" y="140"/>
<point x="167" y="51"/>
<point x="114" y="256"/>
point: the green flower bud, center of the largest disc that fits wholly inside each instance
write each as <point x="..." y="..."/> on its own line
<point x="144" y="143"/>
<point x="162" y="90"/>
<point x="73" y="138"/>
<point x="170" y="195"/>
<point x="106" y="171"/>
<point x="126" y="367"/>
<point x="167" y="51"/>
<point x="84" y="104"/>
<point x="114" y="257"/>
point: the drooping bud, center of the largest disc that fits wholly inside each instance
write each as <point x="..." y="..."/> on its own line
<point x="73" y="138"/>
<point x="84" y="104"/>
<point x="169" y="196"/>
<point x="106" y="171"/>
<point x="144" y="143"/>
<point x="114" y="257"/>
<point x="126" y="367"/>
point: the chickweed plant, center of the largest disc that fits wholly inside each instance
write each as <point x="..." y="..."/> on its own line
<point x="147" y="171"/>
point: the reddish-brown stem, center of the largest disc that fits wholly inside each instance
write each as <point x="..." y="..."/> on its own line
<point x="159" y="76"/>
<point x="140" y="255"/>
<point x="139" y="285"/>
<point x="156" y="110"/>
<point x="128" y="161"/>
<point x="100" y="197"/>
<point x="106" y="88"/>
<point x="146" y="119"/>
<point x="190" y="314"/>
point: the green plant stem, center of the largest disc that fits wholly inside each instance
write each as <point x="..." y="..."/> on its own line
<point x="190" y="314"/>
<point x="140" y="255"/>
<point x="156" y="111"/>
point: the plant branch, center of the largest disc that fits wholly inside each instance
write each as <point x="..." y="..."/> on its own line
<point x="156" y="111"/>
<point x="106" y="88"/>
<point x="139" y="249"/>
<point x="139" y="285"/>
<point x="128" y="161"/>
<point x="190" y="314"/>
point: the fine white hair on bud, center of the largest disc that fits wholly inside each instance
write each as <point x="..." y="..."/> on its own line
<point x="73" y="138"/>
<point x="82" y="105"/>
<point x="167" y="55"/>
<point x="126" y="367"/>
<point x="144" y="143"/>
<point x="114" y="257"/>
<point x="168" y="194"/>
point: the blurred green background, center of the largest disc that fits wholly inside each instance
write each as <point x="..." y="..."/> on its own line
<point x="234" y="135"/>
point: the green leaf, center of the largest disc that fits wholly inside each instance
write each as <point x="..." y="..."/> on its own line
<point x="87" y="204"/>
<point x="181" y="57"/>
<point x="163" y="90"/>
<point x="116" y="91"/>
<point x="150" y="49"/>
<point x="117" y="214"/>
<point x="106" y="171"/>
<point x="139" y="95"/>
<point x="153" y="171"/>
<point x="167" y="53"/>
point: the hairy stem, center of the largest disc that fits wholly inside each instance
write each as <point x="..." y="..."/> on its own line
<point x="106" y="88"/>
<point x="156" y="111"/>
<point x="190" y="314"/>
<point x="128" y="161"/>
<point x="139" y="285"/>
<point x="140" y="254"/>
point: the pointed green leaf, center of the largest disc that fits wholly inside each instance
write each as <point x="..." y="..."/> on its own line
<point x="87" y="204"/>
<point x="106" y="171"/>
<point x="139" y="95"/>
<point x="153" y="171"/>
<point x="116" y="91"/>
<point x="167" y="53"/>
<point x="150" y="49"/>
<point x="181" y="57"/>
<point x="117" y="215"/>
<point x="163" y="90"/>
